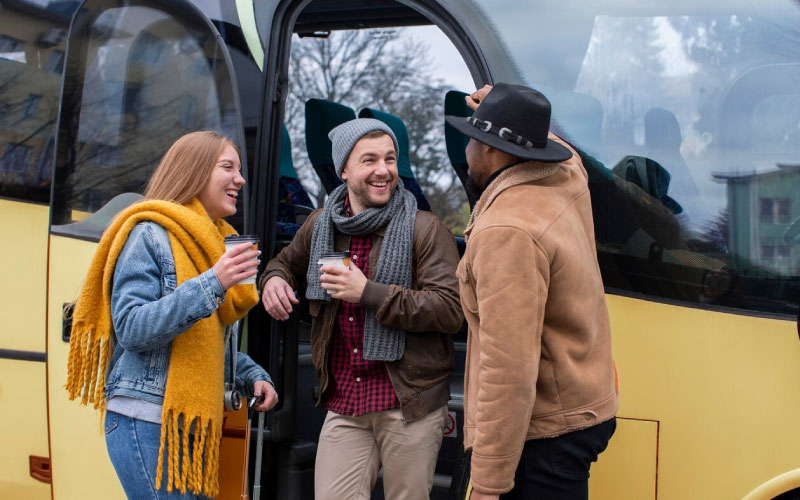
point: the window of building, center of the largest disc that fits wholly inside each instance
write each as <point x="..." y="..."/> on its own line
<point x="11" y="48"/>
<point x="775" y="210"/>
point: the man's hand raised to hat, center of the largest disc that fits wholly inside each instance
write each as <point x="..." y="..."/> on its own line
<point x="474" y="99"/>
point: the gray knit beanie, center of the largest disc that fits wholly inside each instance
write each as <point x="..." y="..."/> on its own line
<point x="345" y="136"/>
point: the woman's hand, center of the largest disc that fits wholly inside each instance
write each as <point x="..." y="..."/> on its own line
<point x="264" y="388"/>
<point x="238" y="263"/>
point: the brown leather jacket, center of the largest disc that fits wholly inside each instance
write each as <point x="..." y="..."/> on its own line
<point x="429" y="312"/>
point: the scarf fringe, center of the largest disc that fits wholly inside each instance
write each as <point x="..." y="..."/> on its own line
<point x="87" y="364"/>
<point x="198" y="471"/>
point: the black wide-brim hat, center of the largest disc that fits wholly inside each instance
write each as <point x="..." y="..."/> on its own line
<point x="515" y="120"/>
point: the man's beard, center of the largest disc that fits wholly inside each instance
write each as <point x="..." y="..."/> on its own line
<point x="364" y="199"/>
<point x="473" y="189"/>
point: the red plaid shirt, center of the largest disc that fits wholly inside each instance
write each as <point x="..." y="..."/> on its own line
<point x="358" y="386"/>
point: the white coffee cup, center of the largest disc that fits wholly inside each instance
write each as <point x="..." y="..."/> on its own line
<point x="339" y="259"/>
<point x="232" y="241"/>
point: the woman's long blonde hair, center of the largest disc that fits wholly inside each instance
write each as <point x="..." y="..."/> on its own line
<point x="186" y="167"/>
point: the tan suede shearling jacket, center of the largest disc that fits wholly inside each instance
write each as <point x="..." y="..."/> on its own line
<point x="539" y="351"/>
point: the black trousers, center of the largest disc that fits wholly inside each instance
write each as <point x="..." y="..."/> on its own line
<point x="557" y="468"/>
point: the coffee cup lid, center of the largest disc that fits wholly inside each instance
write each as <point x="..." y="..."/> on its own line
<point x="234" y="238"/>
<point x="335" y="255"/>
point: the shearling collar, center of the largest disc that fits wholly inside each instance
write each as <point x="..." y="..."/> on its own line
<point x="521" y="173"/>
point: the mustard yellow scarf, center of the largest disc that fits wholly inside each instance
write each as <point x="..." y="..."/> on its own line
<point x="193" y="396"/>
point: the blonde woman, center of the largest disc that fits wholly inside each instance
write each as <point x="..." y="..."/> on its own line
<point x="151" y="323"/>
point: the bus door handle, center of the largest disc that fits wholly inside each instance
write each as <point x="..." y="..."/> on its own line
<point x="66" y="320"/>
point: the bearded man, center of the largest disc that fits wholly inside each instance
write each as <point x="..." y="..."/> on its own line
<point x="381" y="333"/>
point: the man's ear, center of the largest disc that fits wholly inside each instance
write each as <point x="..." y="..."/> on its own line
<point x="344" y="173"/>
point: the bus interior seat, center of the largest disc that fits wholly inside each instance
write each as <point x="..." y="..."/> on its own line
<point x="456" y="142"/>
<point x="580" y="116"/>
<point x="624" y="211"/>
<point x="321" y="117"/>
<point x="294" y="204"/>
<point x="641" y="186"/>
<point x="403" y="161"/>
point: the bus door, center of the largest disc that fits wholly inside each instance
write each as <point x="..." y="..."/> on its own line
<point x="393" y="61"/>
<point x="32" y="42"/>
<point x="138" y="76"/>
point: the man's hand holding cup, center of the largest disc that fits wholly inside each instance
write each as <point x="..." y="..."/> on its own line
<point x="341" y="280"/>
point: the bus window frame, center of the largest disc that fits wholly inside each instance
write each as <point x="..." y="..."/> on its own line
<point x="183" y="12"/>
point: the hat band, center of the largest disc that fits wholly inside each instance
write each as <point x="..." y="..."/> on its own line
<point x="504" y="133"/>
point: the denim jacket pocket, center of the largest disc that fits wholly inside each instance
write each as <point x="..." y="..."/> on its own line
<point x="157" y="366"/>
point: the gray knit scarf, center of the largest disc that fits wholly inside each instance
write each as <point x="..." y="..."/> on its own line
<point x="381" y="343"/>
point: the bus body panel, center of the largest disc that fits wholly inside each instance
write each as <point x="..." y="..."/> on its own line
<point x="789" y="481"/>
<point x="627" y="470"/>
<point x="723" y="387"/>
<point x="23" y="428"/>
<point x="23" y="257"/>
<point x="77" y="446"/>
<point x="23" y="404"/>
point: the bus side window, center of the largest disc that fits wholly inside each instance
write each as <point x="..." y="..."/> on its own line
<point x="147" y="77"/>
<point x="31" y="62"/>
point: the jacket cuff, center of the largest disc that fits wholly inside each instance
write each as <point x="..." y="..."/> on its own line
<point x="262" y="281"/>
<point x="374" y="294"/>
<point x="212" y="288"/>
<point x="493" y="475"/>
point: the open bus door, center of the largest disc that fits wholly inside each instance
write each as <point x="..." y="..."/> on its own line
<point x="138" y="76"/>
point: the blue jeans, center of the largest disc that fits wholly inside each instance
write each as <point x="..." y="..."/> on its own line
<point x="133" y="447"/>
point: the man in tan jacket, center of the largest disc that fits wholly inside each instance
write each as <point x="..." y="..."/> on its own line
<point x="540" y="396"/>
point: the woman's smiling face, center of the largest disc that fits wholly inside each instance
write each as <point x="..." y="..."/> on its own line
<point x="219" y="195"/>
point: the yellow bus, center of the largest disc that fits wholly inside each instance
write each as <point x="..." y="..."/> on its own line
<point x="686" y="115"/>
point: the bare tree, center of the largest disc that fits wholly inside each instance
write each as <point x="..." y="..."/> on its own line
<point x="385" y="70"/>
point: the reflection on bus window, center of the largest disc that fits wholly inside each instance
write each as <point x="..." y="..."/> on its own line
<point x="402" y="72"/>
<point x="31" y="61"/>
<point x="686" y="117"/>
<point x="147" y="80"/>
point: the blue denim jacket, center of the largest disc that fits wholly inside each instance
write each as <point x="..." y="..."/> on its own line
<point x="148" y="311"/>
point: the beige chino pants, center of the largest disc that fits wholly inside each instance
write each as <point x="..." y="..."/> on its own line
<point x="352" y="449"/>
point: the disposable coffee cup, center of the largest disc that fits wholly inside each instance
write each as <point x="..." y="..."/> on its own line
<point x="340" y="259"/>
<point x="232" y="241"/>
